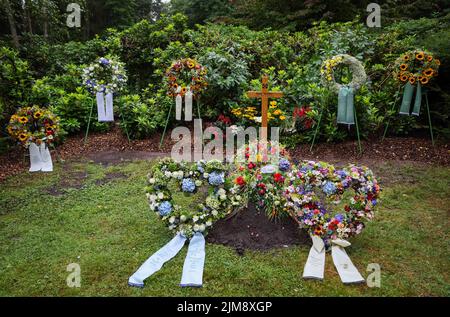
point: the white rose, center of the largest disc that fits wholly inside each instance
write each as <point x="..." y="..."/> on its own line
<point x="202" y="228"/>
<point x="160" y="195"/>
<point x="221" y="192"/>
<point x="183" y="218"/>
<point x="196" y="228"/>
<point x="152" y="180"/>
<point x="206" y="175"/>
<point x="214" y="213"/>
<point x="172" y="219"/>
<point x="168" y="174"/>
<point x="209" y="223"/>
<point x="195" y="219"/>
<point x="238" y="197"/>
<point x="198" y="183"/>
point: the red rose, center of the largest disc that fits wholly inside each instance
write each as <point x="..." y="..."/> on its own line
<point x="278" y="178"/>
<point x="240" y="181"/>
<point x="251" y="166"/>
<point x="262" y="192"/>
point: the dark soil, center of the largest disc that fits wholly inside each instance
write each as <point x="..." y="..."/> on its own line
<point x="72" y="180"/>
<point x="110" y="177"/>
<point x="252" y="230"/>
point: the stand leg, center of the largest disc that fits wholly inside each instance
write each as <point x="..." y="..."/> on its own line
<point x="317" y="130"/>
<point x="57" y="154"/>
<point x="200" y="118"/>
<point x="165" y="128"/>
<point x="429" y="119"/>
<point x="89" y="123"/>
<point x="124" y="124"/>
<point x="393" y="109"/>
<point x="357" y="133"/>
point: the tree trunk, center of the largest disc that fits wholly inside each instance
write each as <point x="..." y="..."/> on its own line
<point x="45" y="22"/>
<point x="28" y="16"/>
<point x="12" y="22"/>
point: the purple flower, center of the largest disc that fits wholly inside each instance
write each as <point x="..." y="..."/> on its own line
<point x="285" y="165"/>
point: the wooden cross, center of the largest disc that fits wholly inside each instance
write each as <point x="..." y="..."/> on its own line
<point x="265" y="94"/>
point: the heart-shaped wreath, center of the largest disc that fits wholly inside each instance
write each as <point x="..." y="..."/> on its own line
<point x="313" y="184"/>
<point x="222" y="195"/>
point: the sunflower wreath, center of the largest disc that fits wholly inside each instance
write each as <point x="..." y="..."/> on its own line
<point x="186" y="74"/>
<point x="222" y="197"/>
<point x="34" y="125"/>
<point x="416" y="66"/>
<point x="355" y="66"/>
<point x="315" y="185"/>
<point x="105" y="76"/>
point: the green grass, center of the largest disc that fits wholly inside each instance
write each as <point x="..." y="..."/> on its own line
<point x="110" y="232"/>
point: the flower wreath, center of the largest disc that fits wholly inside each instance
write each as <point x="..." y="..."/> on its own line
<point x="416" y="66"/>
<point x="34" y="125"/>
<point x="356" y="67"/>
<point x="105" y="76"/>
<point x="186" y="74"/>
<point x="310" y="182"/>
<point x="223" y="196"/>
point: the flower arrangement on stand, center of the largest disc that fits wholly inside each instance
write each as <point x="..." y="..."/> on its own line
<point x="249" y="115"/>
<point x="34" y="125"/>
<point x="416" y="66"/>
<point x="106" y="76"/>
<point x="184" y="75"/>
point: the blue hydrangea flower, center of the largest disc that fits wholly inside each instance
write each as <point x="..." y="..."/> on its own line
<point x="329" y="188"/>
<point x="374" y="202"/>
<point x="104" y="61"/>
<point x="188" y="185"/>
<point x="339" y="217"/>
<point x="200" y="168"/>
<point x="342" y="174"/>
<point x="285" y="165"/>
<point x="165" y="208"/>
<point x="216" y="178"/>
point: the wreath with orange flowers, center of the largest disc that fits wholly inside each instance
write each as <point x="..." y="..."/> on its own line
<point x="416" y="66"/>
<point x="34" y="125"/>
<point x="186" y="74"/>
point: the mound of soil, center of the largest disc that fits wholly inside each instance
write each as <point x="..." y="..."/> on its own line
<point x="251" y="229"/>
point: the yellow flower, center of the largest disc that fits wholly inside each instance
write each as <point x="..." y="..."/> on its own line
<point x="23" y="120"/>
<point x="420" y="56"/>
<point x="278" y="112"/>
<point x="428" y="72"/>
<point x="403" y="66"/>
<point x="273" y="103"/>
<point x="38" y="114"/>
<point x="23" y="137"/>
<point x="282" y="118"/>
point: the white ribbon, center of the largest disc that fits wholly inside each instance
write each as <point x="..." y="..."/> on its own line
<point x="46" y="158"/>
<point x="105" y="109"/>
<point x="178" y="104"/>
<point x="157" y="260"/>
<point x="194" y="262"/>
<point x="109" y="111"/>
<point x="101" y="107"/>
<point x="188" y="106"/>
<point x="315" y="265"/>
<point x="40" y="158"/>
<point x="35" y="158"/>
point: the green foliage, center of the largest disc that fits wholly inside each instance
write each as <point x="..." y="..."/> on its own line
<point x="142" y="118"/>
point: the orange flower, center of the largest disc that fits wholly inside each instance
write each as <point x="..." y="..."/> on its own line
<point x="420" y="56"/>
<point x="438" y="62"/>
<point x="23" y="120"/>
<point x="23" y="137"/>
<point x="406" y="58"/>
<point x="428" y="72"/>
<point x="430" y="58"/>
<point x="403" y="77"/>
<point x="403" y="66"/>
<point x="424" y="81"/>
<point x="412" y="80"/>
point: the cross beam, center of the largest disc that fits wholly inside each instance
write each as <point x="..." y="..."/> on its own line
<point x="264" y="95"/>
